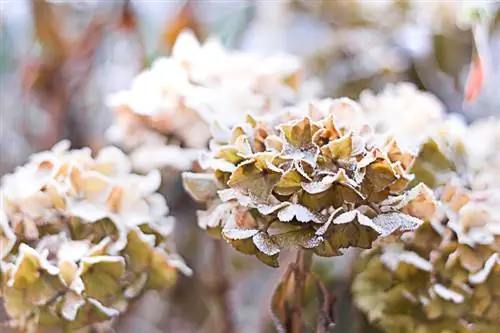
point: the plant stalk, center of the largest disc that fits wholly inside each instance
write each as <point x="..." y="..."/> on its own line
<point x="222" y="288"/>
<point x="302" y="265"/>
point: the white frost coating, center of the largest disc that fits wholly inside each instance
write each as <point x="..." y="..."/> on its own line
<point x="481" y="276"/>
<point x="395" y="253"/>
<point x="265" y="244"/>
<point x="448" y="294"/>
<point x="301" y="213"/>
<point x="239" y="233"/>
<point x="72" y="304"/>
<point x="110" y="312"/>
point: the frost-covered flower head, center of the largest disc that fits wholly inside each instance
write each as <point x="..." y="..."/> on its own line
<point x="307" y="179"/>
<point x="442" y="277"/>
<point x="403" y="111"/>
<point x="179" y="95"/>
<point x="80" y="236"/>
<point x="483" y="147"/>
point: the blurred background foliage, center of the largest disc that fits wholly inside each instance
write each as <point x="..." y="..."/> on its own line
<point x="60" y="59"/>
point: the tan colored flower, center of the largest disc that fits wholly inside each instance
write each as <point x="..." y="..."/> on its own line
<point x="442" y="277"/>
<point x="80" y="237"/>
<point x="302" y="178"/>
<point x="175" y="101"/>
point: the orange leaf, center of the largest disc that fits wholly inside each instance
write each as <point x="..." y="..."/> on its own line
<point x="185" y="19"/>
<point x="475" y="80"/>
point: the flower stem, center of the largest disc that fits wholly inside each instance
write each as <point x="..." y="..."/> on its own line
<point x="302" y="265"/>
<point x="222" y="288"/>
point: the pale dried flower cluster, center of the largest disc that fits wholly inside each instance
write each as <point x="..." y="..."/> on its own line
<point x="445" y="275"/>
<point x="403" y="111"/>
<point x="175" y="100"/>
<point x="306" y="178"/>
<point x="483" y="143"/>
<point x="80" y="237"/>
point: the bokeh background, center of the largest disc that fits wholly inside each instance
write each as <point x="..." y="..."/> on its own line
<point x="59" y="60"/>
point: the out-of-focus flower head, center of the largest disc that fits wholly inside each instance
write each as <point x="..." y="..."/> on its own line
<point x="442" y="277"/>
<point x="180" y="95"/>
<point x="311" y="178"/>
<point x="80" y="237"/>
<point x="483" y="143"/>
<point x="403" y="111"/>
<point x="418" y="120"/>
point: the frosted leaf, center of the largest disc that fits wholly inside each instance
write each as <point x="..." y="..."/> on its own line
<point x="243" y="146"/>
<point x="265" y="244"/>
<point x="345" y="217"/>
<point x="321" y="230"/>
<point x="481" y="276"/>
<point x="136" y="287"/>
<point x="7" y="236"/>
<point x="112" y="161"/>
<point x="109" y="312"/>
<point x="214" y="218"/>
<point x="177" y="262"/>
<point x="266" y="209"/>
<point x="414" y="259"/>
<point x="448" y="294"/>
<point x="231" y="194"/>
<point x="299" y="212"/>
<point x="71" y="305"/>
<point x="201" y="186"/>
<point x="219" y="132"/>
<point x="395" y="253"/>
<point x="87" y="211"/>
<point x="388" y="223"/>
<point x="239" y="233"/>
<point x="318" y="187"/>
<point x="305" y="238"/>
<point x="73" y="250"/>
<point x="157" y="205"/>
<point x="147" y="184"/>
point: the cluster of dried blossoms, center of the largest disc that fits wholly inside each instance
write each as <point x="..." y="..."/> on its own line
<point x="414" y="110"/>
<point x="419" y="122"/>
<point x="172" y="103"/>
<point x="483" y="143"/>
<point x="313" y="177"/>
<point x="80" y="237"/>
<point x="443" y="277"/>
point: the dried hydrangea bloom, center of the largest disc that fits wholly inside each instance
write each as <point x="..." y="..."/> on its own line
<point x="179" y="95"/>
<point x="443" y="277"/>
<point x="305" y="181"/>
<point x="80" y="237"/>
<point x="418" y="120"/>
<point x="414" y="110"/>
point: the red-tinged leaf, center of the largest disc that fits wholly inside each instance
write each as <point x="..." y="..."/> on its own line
<point x="475" y="80"/>
<point x="128" y="19"/>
